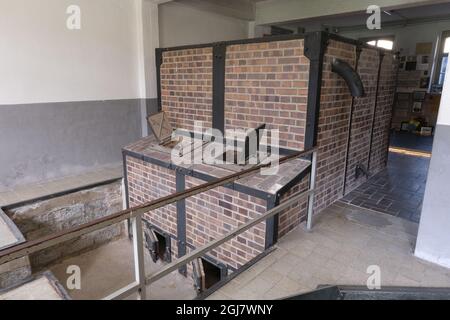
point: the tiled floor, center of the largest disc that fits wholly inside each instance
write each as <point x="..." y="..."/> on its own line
<point x="398" y="190"/>
<point x="411" y="141"/>
<point x="44" y="189"/>
<point x="345" y="240"/>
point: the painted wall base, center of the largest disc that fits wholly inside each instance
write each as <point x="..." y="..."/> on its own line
<point x="46" y="141"/>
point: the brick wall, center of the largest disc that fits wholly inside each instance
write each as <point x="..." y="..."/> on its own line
<point x="186" y="87"/>
<point x="217" y="212"/>
<point x="268" y="83"/>
<point x="362" y="117"/>
<point x="334" y="116"/>
<point x="385" y="102"/>
<point x="147" y="182"/>
<point x="290" y="218"/>
<point x="209" y="215"/>
<point x="333" y="126"/>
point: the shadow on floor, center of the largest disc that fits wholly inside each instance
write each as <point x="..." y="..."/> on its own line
<point x="344" y="242"/>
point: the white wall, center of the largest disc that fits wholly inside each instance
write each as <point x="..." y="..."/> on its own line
<point x="180" y="24"/>
<point x="273" y="11"/>
<point x="42" y="61"/>
<point x="433" y="239"/>
<point x="70" y="100"/>
<point x="406" y="37"/>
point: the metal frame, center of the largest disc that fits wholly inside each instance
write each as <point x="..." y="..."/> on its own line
<point x="374" y="116"/>
<point x="199" y="175"/>
<point x="218" y="70"/>
<point x="315" y="44"/>
<point x="314" y="49"/>
<point x="218" y="87"/>
<point x="127" y="198"/>
<point x="394" y="103"/>
<point x="235" y="42"/>
<point x="181" y="219"/>
<point x="159" y="61"/>
<point x="135" y="214"/>
<point x="272" y="223"/>
<point x="350" y="124"/>
<point x="312" y="186"/>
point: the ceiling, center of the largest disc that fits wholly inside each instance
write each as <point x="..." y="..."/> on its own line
<point x="391" y="17"/>
<point x="243" y="9"/>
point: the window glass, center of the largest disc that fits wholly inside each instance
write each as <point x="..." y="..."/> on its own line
<point x="447" y="45"/>
<point x="443" y="69"/>
<point x="386" y="44"/>
<point x="383" y="43"/>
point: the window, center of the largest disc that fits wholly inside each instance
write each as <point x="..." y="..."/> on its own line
<point x="443" y="61"/>
<point x="440" y="61"/>
<point x="382" y="43"/>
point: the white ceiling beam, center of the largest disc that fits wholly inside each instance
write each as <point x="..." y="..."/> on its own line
<point x="241" y="9"/>
<point x="159" y="1"/>
<point x="282" y="11"/>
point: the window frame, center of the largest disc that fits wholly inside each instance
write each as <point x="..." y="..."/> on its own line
<point x="388" y="38"/>
<point x="439" y="56"/>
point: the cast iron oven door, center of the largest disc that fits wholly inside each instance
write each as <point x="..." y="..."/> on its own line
<point x="158" y="245"/>
<point x="151" y="242"/>
<point x="198" y="275"/>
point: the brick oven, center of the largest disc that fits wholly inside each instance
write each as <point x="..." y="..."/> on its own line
<point x="282" y="82"/>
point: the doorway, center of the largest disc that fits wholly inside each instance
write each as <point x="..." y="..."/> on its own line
<point x="399" y="188"/>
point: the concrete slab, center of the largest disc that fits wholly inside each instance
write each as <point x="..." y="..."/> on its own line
<point x="43" y="287"/>
<point x="9" y="234"/>
<point x="18" y="270"/>
<point x="111" y="267"/>
<point x="46" y="189"/>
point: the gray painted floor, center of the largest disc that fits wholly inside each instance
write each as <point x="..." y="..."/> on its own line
<point x="398" y="190"/>
<point x="344" y="242"/>
<point x="411" y="141"/>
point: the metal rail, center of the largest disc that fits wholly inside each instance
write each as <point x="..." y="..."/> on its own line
<point x="135" y="214"/>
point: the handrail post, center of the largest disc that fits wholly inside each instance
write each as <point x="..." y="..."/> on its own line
<point x="138" y="249"/>
<point x="312" y="186"/>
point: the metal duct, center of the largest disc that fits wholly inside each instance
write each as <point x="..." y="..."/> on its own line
<point x="350" y="76"/>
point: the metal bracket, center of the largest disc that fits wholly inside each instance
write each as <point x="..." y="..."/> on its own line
<point x="218" y="86"/>
<point x="272" y="222"/>
<point x="361" y="169"/>
<point x="159" y="61"/>
<point x="314" y="49"/>
<point x="381" y="55"/>
<point x="181" y="219"/>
